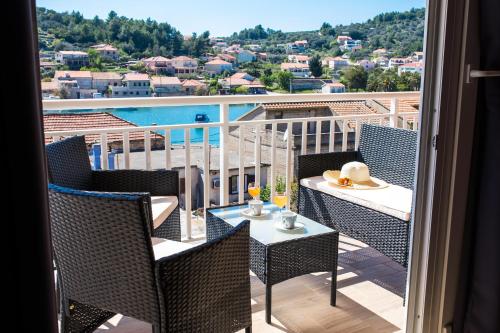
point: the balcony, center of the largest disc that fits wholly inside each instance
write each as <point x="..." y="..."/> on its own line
<point x="370" y="285"/>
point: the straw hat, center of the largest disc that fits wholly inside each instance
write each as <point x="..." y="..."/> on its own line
<point x="353" y="175"/>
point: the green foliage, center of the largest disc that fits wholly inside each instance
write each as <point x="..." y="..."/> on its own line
<point x="265" y="193"/>
<point x="266" y="80"/>
<point x="389" y="80"/>
<point x="355" y="78"/>
<point x="138" y="67"/>
<point x="280" y="186"/>
<point x="283" y="79"/>
<point x="315" y="66"/>
<point x="327" y="29"/>
<point x="242" y="90"/>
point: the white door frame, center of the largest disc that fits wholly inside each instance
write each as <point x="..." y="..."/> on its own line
<point x="446" y="133"/>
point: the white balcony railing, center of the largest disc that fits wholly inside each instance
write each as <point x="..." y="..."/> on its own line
<point x="394" y="118"/>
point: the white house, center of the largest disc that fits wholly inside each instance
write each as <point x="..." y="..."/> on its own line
<point x="338" y="63"/>
<point x="73" y="59"/>
<point x="82" y="78"/>
<point x="218" y="66"/>
<point x="298" y="70"/>
<point x="417" y="56"/>
<point x="102" y="80"/>
<point x="342" y="38"/>
<point x="184" y="65"/>
<point x="396" y="62"/>
<point x="366" y="64"/>
<point x="133" y="85"/>
<point x="245" y="56"/>
<point x="299" y="59"/>
<point x="298" y="46"/>
<point x="412" y="67"/>
<point x="166" y="85"/>
<point x="351" y="45"/>
<point x="107" y="51"/>
<point x="193" y="87"/>
<point x="159" y="65"/>
<point x="334" y="87"/>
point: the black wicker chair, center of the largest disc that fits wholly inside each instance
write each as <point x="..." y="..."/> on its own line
<point x="106" y="265"/>
<point x="390" y="154"/>
<point x="69" y="166"/>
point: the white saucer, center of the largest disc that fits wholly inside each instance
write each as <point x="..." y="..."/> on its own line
<point x="263" y="214"/>
<point x="299" y="227"/>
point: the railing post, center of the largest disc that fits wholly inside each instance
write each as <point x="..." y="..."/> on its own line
<point x="257" y="155"/>
<point x="147" y="149"/>
<point x="393" y="118"/>
<point x="224" y="154"/>
<point x="104" y="151"/>
<point x="187" y="181"/>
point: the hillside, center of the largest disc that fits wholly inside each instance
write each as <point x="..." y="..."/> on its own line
<point x="400" y="33"/>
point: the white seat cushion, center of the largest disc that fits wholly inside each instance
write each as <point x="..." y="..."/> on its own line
<point x="162" y="207"/>
<point x="393" y="200"/>
<point x="164" y="247"/>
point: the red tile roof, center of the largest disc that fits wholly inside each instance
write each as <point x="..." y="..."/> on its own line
<point x="165" y="80"/>
<point x="77" y="121"/>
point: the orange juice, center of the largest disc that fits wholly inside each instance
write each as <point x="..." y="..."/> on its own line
<point x="254" y="191"/>
<point x="280" y="200"/>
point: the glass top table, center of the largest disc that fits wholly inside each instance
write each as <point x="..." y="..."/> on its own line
<point x="277" y="255"/>
<point x="263" y="229"/>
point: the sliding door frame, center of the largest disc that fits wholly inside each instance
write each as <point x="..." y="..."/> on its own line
<point x="445" y="150"/>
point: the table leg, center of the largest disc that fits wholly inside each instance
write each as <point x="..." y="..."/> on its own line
<point x="268" y="303"/>
<point x="333" y="291"/>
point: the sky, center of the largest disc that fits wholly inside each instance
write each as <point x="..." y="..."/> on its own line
<point x="224" y="17"/>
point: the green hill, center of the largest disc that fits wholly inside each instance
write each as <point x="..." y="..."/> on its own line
<point x="401" y="33"/>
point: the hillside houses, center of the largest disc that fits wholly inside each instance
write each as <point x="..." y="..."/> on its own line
<point x="336" y="63"/>
<point x="133" y="85"/>
<point x="243" y="80"/>
<point x="298" y="70"/>
<point x="218" y="66"/>
<point x="299" y="59"/>
<point x="72" y="59"/>
<point x="159" y="65"/>
<point x="299" y="46"/>
<point x="194" y="87"/>
<point x="166" y="86"/>
<point x="106" y="51"/>
<point x="101" y="81"/>
<point x="412" y="67"/>
<point x="184" y="65"/>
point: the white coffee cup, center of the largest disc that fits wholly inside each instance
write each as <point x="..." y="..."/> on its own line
<point x="288" y="219"/>
<point x="256" y="207"/>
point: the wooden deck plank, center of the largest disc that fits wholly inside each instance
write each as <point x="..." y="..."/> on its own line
<point x="367" y="299"/>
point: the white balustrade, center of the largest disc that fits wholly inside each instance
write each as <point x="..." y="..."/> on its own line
<point x="394" y="118"/>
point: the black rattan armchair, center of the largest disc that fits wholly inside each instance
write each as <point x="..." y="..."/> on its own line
<point x="106" y="265"/>
<point x="390" y="154"/>
<point x="69" y="166"/>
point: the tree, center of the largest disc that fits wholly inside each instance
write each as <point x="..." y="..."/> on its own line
<point x="355" y="78"/>
<point x="327" y="29"/>
<point x="266" y="80"/>
<point x="242" y="90"/>
<point x="95" y="59"/>
<point x="412" y="81"/>
<point x="315" y="66"/>
<point x="283" y="79"/>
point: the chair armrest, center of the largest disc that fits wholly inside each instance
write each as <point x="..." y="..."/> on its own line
<point x="155" y="182"/>
<point x="210" y="282"/>
<point x="315" y="164"/>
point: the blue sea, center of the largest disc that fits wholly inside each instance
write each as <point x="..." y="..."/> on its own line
<point x="171" y="115"/>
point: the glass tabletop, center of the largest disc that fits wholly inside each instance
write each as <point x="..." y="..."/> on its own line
<point x="264" y="229"/>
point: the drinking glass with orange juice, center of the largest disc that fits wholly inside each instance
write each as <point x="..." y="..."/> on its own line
<point x="280" y="200"/>
<point x="254" y="191"/>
